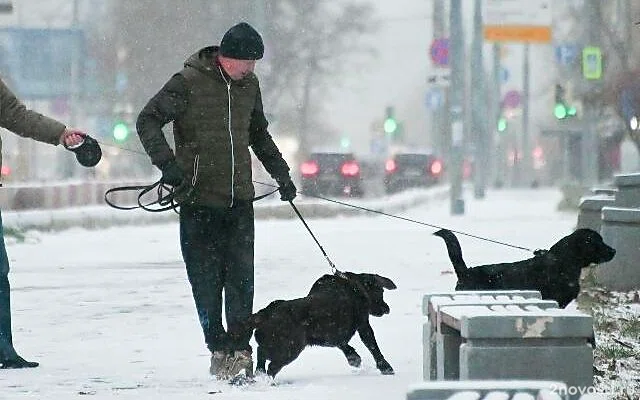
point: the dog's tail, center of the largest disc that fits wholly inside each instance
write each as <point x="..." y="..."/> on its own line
<point x="454" y="250"/>
<point x="258" y="318"/>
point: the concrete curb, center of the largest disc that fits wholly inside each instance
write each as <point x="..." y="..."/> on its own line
<point x="99" y="217"/>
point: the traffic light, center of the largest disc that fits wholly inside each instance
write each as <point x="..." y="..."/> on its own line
<point x="390" y="125"/>
<point x="120" y="131"/>
<point x="502" y="124"/>
<point x="561" y="109"/>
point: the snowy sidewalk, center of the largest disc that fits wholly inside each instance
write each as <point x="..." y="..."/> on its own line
<point x="109" y="313"/>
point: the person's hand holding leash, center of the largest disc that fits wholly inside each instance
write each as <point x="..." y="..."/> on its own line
<point x="71" y="138"/>
<point x="86" y="148"/>
<point x="287" y="189"/>
<point x="172" y="174"/>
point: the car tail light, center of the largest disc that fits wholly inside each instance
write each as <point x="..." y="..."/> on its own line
<point x="350" y="169"/>
<point x="435" y="168"/>
<point x="467" y="169"/>
<point x="390" y="166"/>
<point x="309" y="169"/>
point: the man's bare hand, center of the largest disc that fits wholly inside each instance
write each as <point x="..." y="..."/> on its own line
<point x="71" y="137"/>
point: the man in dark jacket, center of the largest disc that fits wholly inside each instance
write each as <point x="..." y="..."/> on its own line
<point x="15" y="117"/>
<point x="216" y="108"/>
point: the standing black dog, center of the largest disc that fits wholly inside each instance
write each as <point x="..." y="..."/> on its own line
<point x="554" y="272"/>
<point x="336" y="307"/>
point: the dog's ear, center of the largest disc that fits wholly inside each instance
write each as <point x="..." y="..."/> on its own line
<point x="385" y="282"/>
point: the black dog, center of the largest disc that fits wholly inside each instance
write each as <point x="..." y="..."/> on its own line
<point x="554" y="272"/>
<point x="336" y="307"/>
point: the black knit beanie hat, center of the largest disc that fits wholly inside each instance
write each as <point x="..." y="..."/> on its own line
<point x="242" y="42"/>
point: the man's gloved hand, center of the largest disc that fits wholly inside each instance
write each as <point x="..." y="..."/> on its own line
<point x="287" y="189"/>
<point x="172" y="174"/>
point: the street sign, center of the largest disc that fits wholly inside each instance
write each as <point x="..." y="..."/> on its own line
<point x="439" y="52"/>
<point x="504" y="75"/>
<point x="592" y="63"/>
<point x="439" y="79"/>
<point x="566" y="53"/>
<point x="511" y="99"/>
<point x="434" y="98"/>
<point x="517" y="21"/>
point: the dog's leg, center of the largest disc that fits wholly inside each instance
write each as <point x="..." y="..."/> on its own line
<point x="353" y="358"/>
<point x="261" y="360"/>
<point x="368" y="338"/>
<point x="276" y="364"/>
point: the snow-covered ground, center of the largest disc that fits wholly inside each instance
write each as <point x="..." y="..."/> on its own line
<point x="109" y="313"/>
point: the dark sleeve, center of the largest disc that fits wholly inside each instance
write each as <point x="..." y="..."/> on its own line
<point x="263" y="146"/>
<point x="167" y="105"/>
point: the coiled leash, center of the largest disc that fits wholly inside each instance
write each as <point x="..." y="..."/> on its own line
<point x="166" y="196"/>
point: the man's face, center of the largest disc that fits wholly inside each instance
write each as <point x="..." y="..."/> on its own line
<point x="237" y="69"/>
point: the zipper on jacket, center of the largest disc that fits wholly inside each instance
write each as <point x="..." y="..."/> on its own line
<point x="233" y="161"/>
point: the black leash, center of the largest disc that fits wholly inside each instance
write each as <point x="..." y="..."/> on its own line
<point x="169" y="198"/>
<point x="165" y="201"/>
<point x="331" y="264"/>
<point x="405" y="219"/>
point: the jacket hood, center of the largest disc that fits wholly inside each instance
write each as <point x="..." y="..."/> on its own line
<point x="204" y="60"/>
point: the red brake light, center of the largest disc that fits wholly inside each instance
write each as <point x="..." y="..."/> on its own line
<point x="6" y="171"/>
<point x="390" y="166"/>
<point x="436" y="167"/>
<point x="309" y="168"/>
<point x="350" y="168"/>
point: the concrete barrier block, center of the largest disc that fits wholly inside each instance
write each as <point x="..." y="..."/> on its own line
<point x="489" y="390"/>
<point x="628" y="193"/>
<point x="516" y="342"/>
<point x="621" y="230"/>
<point x="590" y="211"/>
<point x="429" y="330"/>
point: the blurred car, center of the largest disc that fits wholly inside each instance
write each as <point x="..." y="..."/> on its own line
<point x="407" y="170"/>
<point x="331" y="173"/>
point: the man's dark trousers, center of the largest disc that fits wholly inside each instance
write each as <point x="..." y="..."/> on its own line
<point x="217" y="247"/>
<point x="6" y="344"/>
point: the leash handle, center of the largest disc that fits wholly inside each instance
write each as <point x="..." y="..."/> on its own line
<point x="331" y="264"/>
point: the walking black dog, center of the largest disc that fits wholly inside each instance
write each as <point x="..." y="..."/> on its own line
<point x="336" y="307"/>
<point x="554" y="272"/>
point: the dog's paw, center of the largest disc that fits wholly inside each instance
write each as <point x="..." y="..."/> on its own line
<point x="385" y="368"/>
<point x="354" y="361"/>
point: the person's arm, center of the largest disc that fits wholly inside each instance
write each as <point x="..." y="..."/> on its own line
<point x="17" y="118"/>
<point x="263" y="146"/>
<point x="167" y="105"/>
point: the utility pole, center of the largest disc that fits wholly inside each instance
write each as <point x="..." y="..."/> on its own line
<point x="438" y="120"/>
<point x="499" y="166"/>
<point x="527" y="159"/>
<point x="591" y="99"/>
<point x="456" y="59"/>
<point x="479" y="116"/>
<point x="69" y="165"/>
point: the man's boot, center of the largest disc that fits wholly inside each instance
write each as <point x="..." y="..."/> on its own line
<point x="240" y="360"/>
<point x="218" y="366"/>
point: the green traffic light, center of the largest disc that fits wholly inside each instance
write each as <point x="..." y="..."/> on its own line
<point x="571" y="111"/>
<point x="390" y="125"/>
<point x="560" y="111"/>
<point x="502" y="124"/>
<point x="120" y="131"/>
